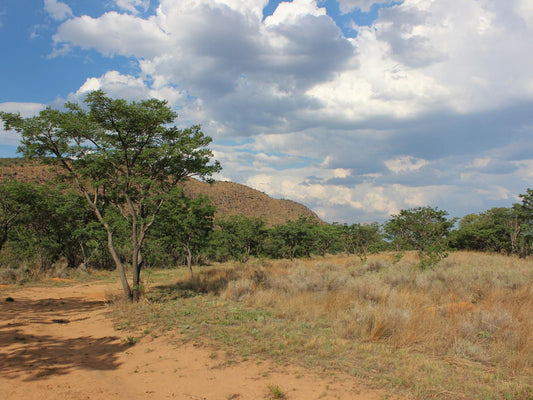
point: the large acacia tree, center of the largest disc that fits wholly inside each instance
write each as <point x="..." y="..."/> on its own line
<point x="125" y="158"/>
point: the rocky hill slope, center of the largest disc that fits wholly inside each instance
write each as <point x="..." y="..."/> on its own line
<point x="228" y="197"/>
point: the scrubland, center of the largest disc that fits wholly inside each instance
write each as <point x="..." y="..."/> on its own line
<point x="460" y="330"/>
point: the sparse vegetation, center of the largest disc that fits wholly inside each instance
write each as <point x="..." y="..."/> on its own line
<point x="461" y="327"/>
<point x="131" y="340"/>
<point x="276" y="392"/>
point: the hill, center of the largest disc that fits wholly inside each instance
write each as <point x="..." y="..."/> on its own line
<point x="228" y="197"/>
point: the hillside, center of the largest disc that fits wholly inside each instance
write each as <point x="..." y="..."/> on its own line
<point x="228" y="197"/>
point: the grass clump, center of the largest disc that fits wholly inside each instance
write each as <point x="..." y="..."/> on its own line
<point x="276" y="392"/>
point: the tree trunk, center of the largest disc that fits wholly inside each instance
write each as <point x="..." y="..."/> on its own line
<point x="189" y="259"/>
<point x="110" y="245"/>
<point x="3" y="239"/>
<point x="136" y="265"/>
<point x="120" y="266"/>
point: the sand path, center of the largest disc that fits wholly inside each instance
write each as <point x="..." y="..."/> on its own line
<point x="58" y="343"/>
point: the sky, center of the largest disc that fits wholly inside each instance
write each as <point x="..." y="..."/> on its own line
<point x="357" y="109"/>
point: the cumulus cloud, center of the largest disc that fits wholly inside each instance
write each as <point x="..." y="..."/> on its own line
<point x="116" y="85"/>
<point x="427" y="105"/>
<point x="57" y="10"/>
<point x="113" y="34"/>
<point x="223" y="52"/>
<point x="421" y="56"/>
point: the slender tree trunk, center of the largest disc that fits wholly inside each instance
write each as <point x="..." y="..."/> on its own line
<point x="514" y="226"/>
<point x="189" y="260"/>
<point x="110" y="245"/>
<point x="3" y="239"/>
<point x="136" y="266"/>
<point x="119" y="265"/>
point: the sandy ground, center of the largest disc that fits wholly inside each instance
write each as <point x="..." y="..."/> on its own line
<point x="58" y="343"/>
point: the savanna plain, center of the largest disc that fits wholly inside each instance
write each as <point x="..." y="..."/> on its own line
<point x="341" y="327"/>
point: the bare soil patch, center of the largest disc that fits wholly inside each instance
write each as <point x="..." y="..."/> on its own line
<point x="59" y="343"/>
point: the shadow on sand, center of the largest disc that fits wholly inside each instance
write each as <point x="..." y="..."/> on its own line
<point x="27" y="354"/>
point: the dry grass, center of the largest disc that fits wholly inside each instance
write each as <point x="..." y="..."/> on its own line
<point x="462" y="330"/>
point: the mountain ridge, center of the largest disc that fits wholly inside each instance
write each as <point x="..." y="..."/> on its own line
<point x="229" y="198"/>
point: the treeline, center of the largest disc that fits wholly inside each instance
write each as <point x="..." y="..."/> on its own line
<point x="45" y="225"/>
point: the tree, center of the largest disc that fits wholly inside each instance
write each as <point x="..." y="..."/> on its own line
<point x="358" y="238"/>
<point x="325" y="237"/>
<point x="523" y="227"/>
<point x="242" y="236"/>
<point x="292" y="239"/>
<point x="44" y="222"/>
<point x="124" y="158"/>
<point x="15" y="204"/>
<point x="55" y="226"/>
<point x="493" y="230"/>
<point x="424" y="229"/>
<point x="184" y="224"/>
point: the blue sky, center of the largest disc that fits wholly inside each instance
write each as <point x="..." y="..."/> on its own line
<point x="355" y="108"/>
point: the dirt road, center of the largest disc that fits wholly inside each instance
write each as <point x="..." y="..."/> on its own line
<point x="58" y="343"/>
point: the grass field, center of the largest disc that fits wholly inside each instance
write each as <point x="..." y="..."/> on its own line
<point x="462" y="330"/>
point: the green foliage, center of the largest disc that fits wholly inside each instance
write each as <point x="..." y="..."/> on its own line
<point x="524" y="228"/>
<point x="276" y="392"/>
<point x="493" y="230"/>
<point x="182" y="228"/>
<point x="46" y="223"/>
<point x="130" y="340"/>
<point x="425" y="229"/>
<point x="16" y="200"/>
<point x="292" y="239"/>
<point x="241" y="236"/>
<point x="326" y="238"/>
<point x="359" y="239"/>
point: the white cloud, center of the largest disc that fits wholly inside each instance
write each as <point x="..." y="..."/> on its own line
<point x="495" y="193"/>
<point x="130" y="88"/>
<point x="479" y="163"/>
<point x="365" y="202"/>
<point x="525" y="170"/>
<point x="430" y="55"/>
<point x="26" y="110"/>
<point x="289" y="13"/>
<point x="341" y="173"/>
<point x="133" y="6"/>
<point x="524" y="9"/>
<point x="405" y="164"/>
<point x="114" y="33"/>
<point x="57" y="10"/>
<point x="117" y="85"/>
